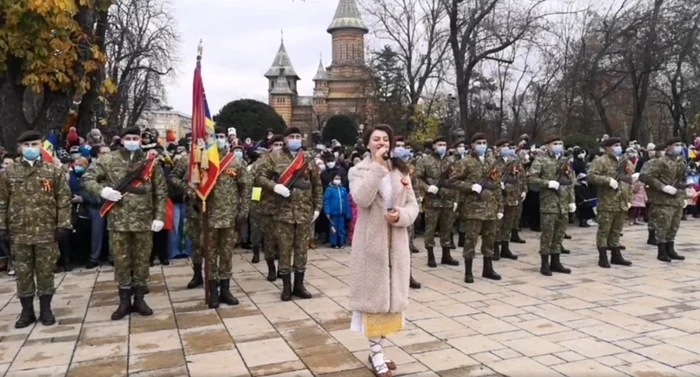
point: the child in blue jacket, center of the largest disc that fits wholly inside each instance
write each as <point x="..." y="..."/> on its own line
<point x="336" y="206"/>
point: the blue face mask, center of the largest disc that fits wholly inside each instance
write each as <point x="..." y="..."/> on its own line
<point x="558" y="149"/>
<point x="677" y="151"/>
<point x="132" y="145"/>
<point x="79" y="170"/>
<point x="441" y="150"/>
<point x="294" y="144"/>
<point x="238" y="154"/>
<point x="31" y="153"/>
<point x="507" y="152"/>
<point x="480" y="149"/>
<point x="221" y="143"/>
<point x="617" y="150"/>
<point x="401" y="152"/>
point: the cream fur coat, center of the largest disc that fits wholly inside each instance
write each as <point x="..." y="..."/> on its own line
<point x="380" y="275"/>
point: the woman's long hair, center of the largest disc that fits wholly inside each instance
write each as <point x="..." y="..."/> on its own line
<point x="396" y="162"/>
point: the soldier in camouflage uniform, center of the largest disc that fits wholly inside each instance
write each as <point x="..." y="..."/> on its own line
<point x="401" y="152"/>
<point x="552" y="175"/>
<point x="666" y="181"/>
<point x="459" y="154"/>
<point x="193" y="226"/>
<point x="296" y="207"/>
<point x="266" y="210"/>
<point x="432" y="177"/>
<point x="659" y="151"/>
<point x="611" y="174"/>
<point x="513" y="174"/>
<point x="478" y="179"/>
<point x="138" y="212"/>
<point x="34" y="215"/>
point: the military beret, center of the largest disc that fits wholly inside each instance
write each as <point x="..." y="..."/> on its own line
<point x="552" y="138"/>
<point x="135" y="131"/>
<point x="398" y="138"/>
<point x="500" y="142"/>
<point x="609" y="142"/>
<point x="659" y="147"/>
<point x="439" y="139"/>
<point x="275" y="139"/>
<point x="32" y="135"/>
<point x="479" y="136"/>
<point x="673" y="140"/>
<point x="220" y="130"/>
<point x="457" y="143"/>
<point x="291" y="131"/>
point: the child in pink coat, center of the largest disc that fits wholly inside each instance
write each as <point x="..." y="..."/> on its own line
<point x="639" y="199"/>
<point x="353" y="210"/>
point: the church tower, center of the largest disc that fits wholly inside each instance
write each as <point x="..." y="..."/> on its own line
<point x="282" y="84"/>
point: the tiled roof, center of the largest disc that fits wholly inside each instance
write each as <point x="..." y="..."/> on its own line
<point x="347" y="16"/>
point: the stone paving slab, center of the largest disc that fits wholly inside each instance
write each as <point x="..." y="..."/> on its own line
<point x="641" y="321"/>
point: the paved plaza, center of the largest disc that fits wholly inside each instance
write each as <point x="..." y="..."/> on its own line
<point x="641" y="321"/>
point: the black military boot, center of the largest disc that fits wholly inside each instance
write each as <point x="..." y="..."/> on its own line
<point x="567" y="237"/>
<point x="299" y="289"/>
<point x="45" y="315"/>
<point x="271" y="270"/>
<point x="496" y="251"/>
<point x="544" y="267"/>
<point x="431" y="257"/>
<point x="488" y="271"/>
<point x="662" y="253"/>
<point x="616" y="258"/>
<point x="124" y="308"/>
<point x="27" y="316"/>
<point x="414" y="249"/>
<point x="622" y="247"/>
<point x="452" y="242"/>
<point x="565" y="250"/>
<point x="286" y="287"/>
<point x="197" y="277"/>
<point x="515" y="237"/>
<point x="583" y="223"/>
<point x="225" y="295"/>
<point x="460" y="239"/>
<point x="505" y="251"/>
<point x="556" y="266"/>
<point x="468" y="277"/>
<point x="213" y="286"/>
<point x="671" y="251"/>
<point x="412" y="283"/>
<point x="651" y="240"/>
<point x="256" y="255"/>
<point x="447" y="257"/>
<point x="603" y="257"/>
<point x="140" y="305"/>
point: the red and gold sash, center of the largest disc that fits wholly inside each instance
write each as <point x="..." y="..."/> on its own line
<point x="293" y="168"/>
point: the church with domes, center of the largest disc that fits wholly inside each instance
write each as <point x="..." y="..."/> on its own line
<point x="344" y="87"/>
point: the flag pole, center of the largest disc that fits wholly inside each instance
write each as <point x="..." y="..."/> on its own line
<point x="205" y="214"/>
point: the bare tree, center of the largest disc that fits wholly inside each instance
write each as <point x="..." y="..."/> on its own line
<point x="142" y="47"/>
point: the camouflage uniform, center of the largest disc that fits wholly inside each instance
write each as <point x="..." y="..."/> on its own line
<point x="554" y="205"/>
<point x="130" y="220"/>
<point x="612" y="204"/>
<point x="293" y="215"/>
<point x="480" y="210"/>
<point x="34" y="203"/>
<point x="439" y="212"/>
<point x="515" y="186"/>
<point x="666" y="210"/>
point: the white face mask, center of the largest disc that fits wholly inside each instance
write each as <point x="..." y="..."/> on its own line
<point x="337" y="182"/>
<point x="330" y="165"/>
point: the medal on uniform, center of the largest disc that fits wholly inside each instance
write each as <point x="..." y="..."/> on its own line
<point x="230" y="172"/>
<point x="46" y="186"/>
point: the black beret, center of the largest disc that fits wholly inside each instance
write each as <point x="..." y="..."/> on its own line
<point x="500" y="142"/>
<point x="552" y="138"/>
<point x="609" y="142"/>
<point x="673" y="140"/>
<point x="31" y="135"/>
<point x="659" y="148"/>
<point x="479" y="136"/>
<point x="439" y="139"/>
<point x="457" y="143"/>
<point x="220" y="130"/>
<point x="275" y="139"/>
<point x="135" y="131"/>
<point x="292" y="130"/>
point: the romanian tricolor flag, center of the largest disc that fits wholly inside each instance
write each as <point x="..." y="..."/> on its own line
<point x="204" y="154"/>
<point x="47" y="151"/>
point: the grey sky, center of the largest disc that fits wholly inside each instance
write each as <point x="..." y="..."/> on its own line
<point x="241" y="38"/>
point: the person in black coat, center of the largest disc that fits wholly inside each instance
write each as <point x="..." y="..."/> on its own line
<point x="585" y="197"/>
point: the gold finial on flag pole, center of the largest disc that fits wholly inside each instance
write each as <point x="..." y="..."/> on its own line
<point x="200" y="49"/>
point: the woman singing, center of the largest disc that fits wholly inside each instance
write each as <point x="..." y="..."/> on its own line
<point x="380" y="262"/>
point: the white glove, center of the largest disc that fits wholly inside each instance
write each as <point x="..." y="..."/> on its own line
<point x="157" y="226"/>
<point x="282" y="190"/>
<point x="613" y="184"/>
<point x="111" y="194"/>
<point x="629" y="205"/>
<point x="553" y="185"/>
<point x="572" y="207"/>
<point x="476" y="188"/>
<point x="433" y="189"/>
<point x="523" y="195"/>
<point x="316" y="213"/>
<point x="669" y="190"/>
<point x="503" y="186"/>
<point x="685" y="203"/>
<point x="499" y="216"/>
<point x="454" y="207"/>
